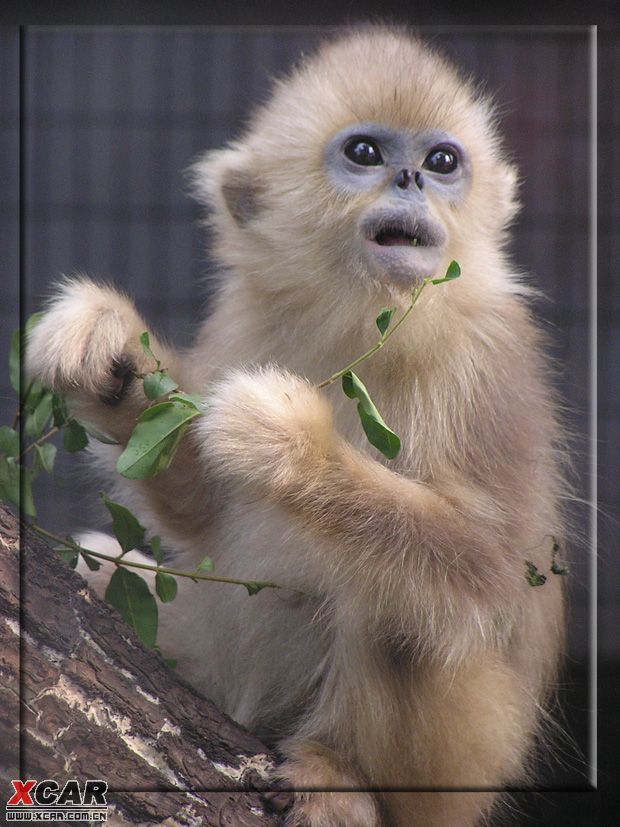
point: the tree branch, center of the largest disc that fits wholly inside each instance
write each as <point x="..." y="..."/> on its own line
<point x="96" y="704"/>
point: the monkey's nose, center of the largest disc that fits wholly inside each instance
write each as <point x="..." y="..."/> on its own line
<point x="405" y="176"/>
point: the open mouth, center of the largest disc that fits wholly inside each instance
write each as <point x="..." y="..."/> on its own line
<point x="402" y="247"/>
<point x="395" y="236"/>
<point x="398" y="230"/>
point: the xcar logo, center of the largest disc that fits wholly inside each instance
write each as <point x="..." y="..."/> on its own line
<point x="22" y="793"/>
<point x="46" y="801"/>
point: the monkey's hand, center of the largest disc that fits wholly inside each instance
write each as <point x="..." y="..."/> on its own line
<point x="84" y="341"/>
<point x="87" y="346"/>
<point x="266" y="427"/>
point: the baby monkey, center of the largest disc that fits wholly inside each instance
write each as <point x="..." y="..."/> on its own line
<point x="409" y="656"/>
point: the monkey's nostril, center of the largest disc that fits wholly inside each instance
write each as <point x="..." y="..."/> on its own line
<point x="403" y="179"/>
<point x="419" y="180"/>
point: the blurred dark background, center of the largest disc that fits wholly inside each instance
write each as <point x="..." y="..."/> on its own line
<point x="112" y="116"/>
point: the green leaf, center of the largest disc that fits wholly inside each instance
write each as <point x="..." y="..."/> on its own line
<point x="69" y="555"/>
<point x="9" y="441"/>
<point x="15" y="352"/>
<point x="59" y="410"/>
<point x="378" y="433"/>
<point x="533" y="576"/>
<point x="155" y="438"/>
<point x="74" y="436"/>
<point x="127" y="529"/>
<point x="9" y="480"/>
<point x="254" y="587"/>
<point x="146" y="347"/>
<point x="453" y="272"/>
<point x="14" y="360"/>
<point x="93" y="565"/>
<point x="16" y="485"/>
<point x="206" y="564"/>
<point x="384" y="318"/>
<point x="165" y="586"/>
<point x="170" y="662"/>
<point x="46" y="454"/>
<point x="158" y="384"/>
<point x="36" y="421"/>
<point x="191" y="399"/>
<point x="33" y="394"/>
<point x="33" y="320"/>
<point x="155" y="544"/>
<point x="97" y="434"/>
<point x="130" y="596"/>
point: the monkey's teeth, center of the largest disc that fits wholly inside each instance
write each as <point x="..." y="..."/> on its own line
<point x="415" y="241"/>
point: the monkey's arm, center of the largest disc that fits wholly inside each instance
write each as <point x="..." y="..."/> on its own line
<point x="388" y="541"/>
<point x="87" y="346"/>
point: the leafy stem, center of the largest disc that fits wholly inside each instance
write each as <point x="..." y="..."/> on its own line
<point x="452" y="273"/>
<point x="56" y="429"/>
<point x="119" y="560"/>
<point x="379" y="434"/>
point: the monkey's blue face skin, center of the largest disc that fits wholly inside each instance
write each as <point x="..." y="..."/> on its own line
<point x="400" y="235"/>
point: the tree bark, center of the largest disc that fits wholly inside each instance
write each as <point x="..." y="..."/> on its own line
<point x="96" y="704"/>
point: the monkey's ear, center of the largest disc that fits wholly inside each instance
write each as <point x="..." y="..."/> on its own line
<point x="240" y="192"/>
<point x="223" y="178"/>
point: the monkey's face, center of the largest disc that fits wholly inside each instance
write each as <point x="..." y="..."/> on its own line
<point x="403" y="179"/>
<point x="372" y="164"/>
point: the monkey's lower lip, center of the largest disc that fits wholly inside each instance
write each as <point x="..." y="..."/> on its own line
<point x="403" y="263"/>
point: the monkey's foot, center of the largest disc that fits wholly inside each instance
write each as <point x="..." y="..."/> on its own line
<point x="278" y="801"/>
<point x="332" y="809"/>
<point x="311" y="770"/>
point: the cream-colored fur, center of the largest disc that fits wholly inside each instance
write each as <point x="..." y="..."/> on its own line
<point x="417" y="656"/>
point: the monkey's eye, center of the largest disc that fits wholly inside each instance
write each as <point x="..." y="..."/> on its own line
<point x="363" y="151"/>
<point x="441" y="159"/>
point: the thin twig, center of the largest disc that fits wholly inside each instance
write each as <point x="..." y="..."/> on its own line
<point x="40" y="441"/>
<point x="120" y="561"/>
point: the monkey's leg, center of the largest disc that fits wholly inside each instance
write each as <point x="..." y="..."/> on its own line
<point x="445" y="739"/>
<point x="449" y="808"/>
<point x="383" y="744"/>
